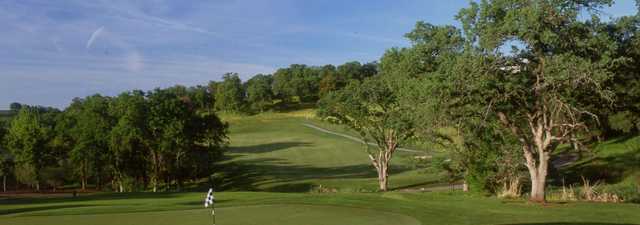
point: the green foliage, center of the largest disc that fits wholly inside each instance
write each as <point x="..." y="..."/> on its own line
<point x="230" y="94"/>
<point x="129" y="138"/>
<point x="559" y="62"/>
<point x="90" y="134"/>
<point x="297" y="81"/>
<point x="259" y="94"/>
<point x="376" y="109"/>
<point x="27" y="174"/>
<point x="54" y="176"/>
<point x="28" y="140"/>
<point x="201" y="97"/>
<point x="371" y="108"/>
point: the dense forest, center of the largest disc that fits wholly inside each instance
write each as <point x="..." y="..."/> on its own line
<point x="517" y="81"/>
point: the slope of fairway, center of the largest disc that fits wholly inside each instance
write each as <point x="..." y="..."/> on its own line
<point x="276" y="152"/>
<point x="306" y="209"/>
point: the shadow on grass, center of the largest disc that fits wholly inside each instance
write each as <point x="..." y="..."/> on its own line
<point x="570" y="223"/>
<point x="270" y="147"/>
<point x="423" y="184"/>
<point x="249" y="175"/>
<point x="611" y="169"/>
<point x="92" y="197"/>
<point x="40" y="208"/>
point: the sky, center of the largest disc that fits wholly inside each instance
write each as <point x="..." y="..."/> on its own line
<point x="53" y="51"/>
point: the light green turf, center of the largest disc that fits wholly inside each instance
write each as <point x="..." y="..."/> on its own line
<point x="307" y="209"/>
<point x="275" y="152"/>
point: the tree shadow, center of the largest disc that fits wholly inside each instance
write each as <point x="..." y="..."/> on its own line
<point x="611" y="169"/>
<point x="423" y="184"/>
<point x="40" y="208"/>
<point x="570" y="223"/>
<point x="275" y="174"/>
<point x="269" y="147"/>
<point x="92" y="197"/>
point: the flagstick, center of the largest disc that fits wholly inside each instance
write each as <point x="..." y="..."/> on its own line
<point x="213" y="214"/>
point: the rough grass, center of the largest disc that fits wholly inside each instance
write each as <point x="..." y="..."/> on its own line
<point x="306" y="209"/>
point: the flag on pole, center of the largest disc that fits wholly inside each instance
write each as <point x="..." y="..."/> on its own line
<point x="210" y="199"/>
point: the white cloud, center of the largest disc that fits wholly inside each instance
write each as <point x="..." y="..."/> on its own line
<point x="93" y="37"/>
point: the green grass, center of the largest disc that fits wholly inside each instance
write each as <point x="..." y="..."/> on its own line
<point x="275" y="152"/>
<point x="612" y="161"/>
<point x="307" y="209"/>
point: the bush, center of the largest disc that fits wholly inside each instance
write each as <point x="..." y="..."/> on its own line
<point x="628" y="191"/>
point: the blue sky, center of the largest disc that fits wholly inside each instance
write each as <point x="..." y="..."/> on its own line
<point x="52" y="51"/>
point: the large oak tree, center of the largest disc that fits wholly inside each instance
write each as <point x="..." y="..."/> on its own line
<point x="535" y="91"/>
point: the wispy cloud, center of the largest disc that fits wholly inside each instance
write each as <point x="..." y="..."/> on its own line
<point x="93" y="37"/>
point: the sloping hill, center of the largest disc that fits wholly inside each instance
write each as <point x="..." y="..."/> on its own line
<point x="277" y="152"/>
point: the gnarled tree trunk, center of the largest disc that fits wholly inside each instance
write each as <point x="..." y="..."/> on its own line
<point x="386" y="148"/>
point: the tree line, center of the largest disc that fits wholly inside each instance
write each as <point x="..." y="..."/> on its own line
<point x="502" y="93"/>
<point x="155" y="139"/>
<point x="128" y="142"/>
<point x="292" y="86"/>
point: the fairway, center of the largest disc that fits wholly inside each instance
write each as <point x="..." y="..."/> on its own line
<point x="305" y="209"/>
<point x="239" y="215"/>
<point x="277" y="152"/>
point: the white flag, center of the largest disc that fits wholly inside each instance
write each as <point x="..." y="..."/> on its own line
<point x="210" y="199"/>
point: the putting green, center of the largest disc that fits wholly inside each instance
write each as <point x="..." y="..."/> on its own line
<point x="241" y="215"/>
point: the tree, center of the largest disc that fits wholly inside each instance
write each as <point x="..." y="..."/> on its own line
<point x="129" y="137"/>
<point x="259" y="94"/>
<point x="15" y="106"/>
<point x="90" y="133"/>
<point x="169" y="119"/>
<point x="28" y="141"/>
<point x="201" y="97"/>
<point x="229" y="93"/>
<point x="328" y="80"/>
<point x="297" y="83"/>
<point x="375" y="109"/>
<point x="54" y="176"/>
<point x="534" y="92"/>
<point x="625" y="114"/>
<point x="6" y="159"/>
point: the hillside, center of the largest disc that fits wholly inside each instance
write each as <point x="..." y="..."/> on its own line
<point x="277" y="152"/>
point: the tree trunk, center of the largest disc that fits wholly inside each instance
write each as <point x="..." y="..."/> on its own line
<point x="4" y="183"/>
<point x="465" y="186"/>
<point x="156" y="171"/>
<point x="83" y="175"/>
<point x="538" y="175"/>
<point x="537" y="189"/>
<point x="383" y="180"/>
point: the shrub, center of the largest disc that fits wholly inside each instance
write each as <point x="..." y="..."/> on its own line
<point x="627" y="191"/>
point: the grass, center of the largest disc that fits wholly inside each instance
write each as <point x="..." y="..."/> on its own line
<point x="275" y="152"/>
<point x="612" y="161"/>
<point x="306" y="208"/>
